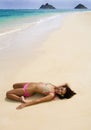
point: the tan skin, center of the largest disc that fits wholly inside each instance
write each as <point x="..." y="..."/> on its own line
<point x="17" y="93"/>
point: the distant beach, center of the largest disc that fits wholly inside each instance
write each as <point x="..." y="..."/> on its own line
<point x="53" y="47"/>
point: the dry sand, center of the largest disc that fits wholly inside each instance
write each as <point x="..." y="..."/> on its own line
<point x="65" y="57"/>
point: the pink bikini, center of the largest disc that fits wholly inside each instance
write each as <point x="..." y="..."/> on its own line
<point x="26" y="94"/>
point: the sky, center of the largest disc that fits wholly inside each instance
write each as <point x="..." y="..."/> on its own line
<point x="35" y="4"/>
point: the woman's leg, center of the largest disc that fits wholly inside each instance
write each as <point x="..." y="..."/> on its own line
<point x="15" y="94"/>
<point x="18" y="85"/>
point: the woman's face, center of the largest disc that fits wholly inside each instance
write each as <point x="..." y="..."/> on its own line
<point x="61" y="90"/>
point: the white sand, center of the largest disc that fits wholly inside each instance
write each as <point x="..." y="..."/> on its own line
<point x="65" y="57"/>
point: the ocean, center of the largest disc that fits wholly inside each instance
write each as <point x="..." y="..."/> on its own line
<point x="11" y="18"/>
<point x="37" y="22"/>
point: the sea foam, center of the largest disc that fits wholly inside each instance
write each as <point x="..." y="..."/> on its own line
<point x="37" y="28"/>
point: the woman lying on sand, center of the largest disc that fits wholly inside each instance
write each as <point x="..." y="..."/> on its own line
<point x="23" y="90"/>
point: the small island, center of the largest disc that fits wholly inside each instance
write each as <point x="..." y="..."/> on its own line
<point x="47" y="6"/>
<point x="80" y="6"/>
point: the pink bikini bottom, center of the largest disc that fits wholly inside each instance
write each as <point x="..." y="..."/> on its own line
<point x="26" y="94"/>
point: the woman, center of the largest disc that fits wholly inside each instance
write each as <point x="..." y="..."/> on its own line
<point x="23" y="90"/>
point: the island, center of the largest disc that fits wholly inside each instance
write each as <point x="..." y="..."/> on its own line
<point x="80" y="6"/>
<point x="47" y="6"/>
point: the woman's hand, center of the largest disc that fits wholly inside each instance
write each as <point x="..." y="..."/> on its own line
<point x="24" y="105"/>
<point x="21" y="106"/>
<point x="23" y="99"/>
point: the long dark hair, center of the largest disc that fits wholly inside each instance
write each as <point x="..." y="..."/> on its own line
<point x="69" y="93"/>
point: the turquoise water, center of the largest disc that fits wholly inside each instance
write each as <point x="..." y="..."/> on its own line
<point x="19" y="21"/>
<point x="15" y="18"/>
<point x="12" y="14"/>
<point x="12" y="17"/>
<point x="6" y="14"/>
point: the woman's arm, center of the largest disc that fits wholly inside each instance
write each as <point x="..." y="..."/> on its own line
<point x="44" y="99"/>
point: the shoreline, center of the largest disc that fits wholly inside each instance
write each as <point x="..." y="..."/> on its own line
<point x="19" y="23"/>
<point x="64" y="57"/>
<point x="35" y="29"/>
<point x="23" y="22"/>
